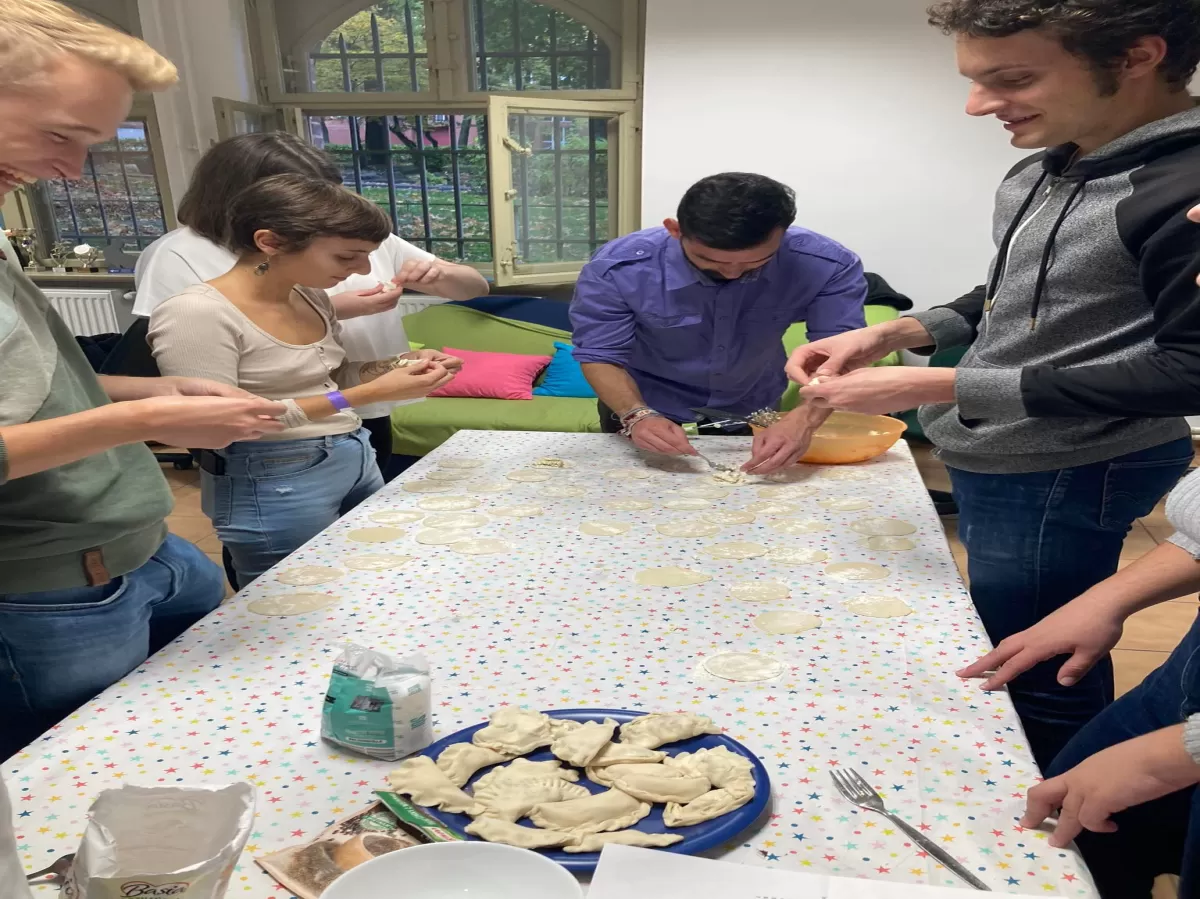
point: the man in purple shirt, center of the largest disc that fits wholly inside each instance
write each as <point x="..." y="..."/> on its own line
<point x="693" y="315"/>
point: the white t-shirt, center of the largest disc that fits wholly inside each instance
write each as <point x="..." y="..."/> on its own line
<point x="182" y="258"/>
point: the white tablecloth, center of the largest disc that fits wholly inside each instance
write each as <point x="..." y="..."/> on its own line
<point x="560" y="623"/>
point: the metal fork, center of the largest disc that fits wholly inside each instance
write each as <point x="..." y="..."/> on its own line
<point x="852" y="785"/>
<point x="713" y="465"/>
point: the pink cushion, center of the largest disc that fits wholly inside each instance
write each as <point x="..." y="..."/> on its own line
<point x="494" y="376"/>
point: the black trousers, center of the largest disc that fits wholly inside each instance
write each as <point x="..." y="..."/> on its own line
<point x="610" y="423"/>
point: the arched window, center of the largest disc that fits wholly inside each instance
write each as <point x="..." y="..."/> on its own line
<point x="380" y="48"/>
<point x="523" y="45"/>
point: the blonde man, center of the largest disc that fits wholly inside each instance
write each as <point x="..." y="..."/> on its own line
<point x="90" y="582"/>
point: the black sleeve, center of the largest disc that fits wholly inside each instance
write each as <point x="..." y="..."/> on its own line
<point x="1165" y="383"/>
<point x="970" y="306"/>
<point x="959" y="329"/>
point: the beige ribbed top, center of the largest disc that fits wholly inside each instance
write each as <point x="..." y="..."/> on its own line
<point x="201" y="334"/>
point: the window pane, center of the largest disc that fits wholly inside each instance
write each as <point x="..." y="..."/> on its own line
<point x="389" y="35"/>
<point x="546" y="47"/>
<point x="501" y="74"/>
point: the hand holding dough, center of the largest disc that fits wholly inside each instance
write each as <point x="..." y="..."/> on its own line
<point x="426" y="784"/>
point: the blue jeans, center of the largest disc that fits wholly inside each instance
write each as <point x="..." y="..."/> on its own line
<point x="277" y="495"/>
<point x="61" y="648"/>
<point x="1035" y="542"/>
<point x="1159" y="837"/>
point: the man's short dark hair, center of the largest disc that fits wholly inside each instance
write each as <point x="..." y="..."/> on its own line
<point x="1098" y="31"/>
<point x="736" y="210"/>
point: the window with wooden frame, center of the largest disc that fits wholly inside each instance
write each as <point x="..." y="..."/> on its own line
<point x="501" y="133"/>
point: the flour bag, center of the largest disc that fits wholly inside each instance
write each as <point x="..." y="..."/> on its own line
<point x="162" y="843"/>
<point x="377" y="705"/>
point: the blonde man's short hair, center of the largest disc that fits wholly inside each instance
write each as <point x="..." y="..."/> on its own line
<point x="33" y="33"/>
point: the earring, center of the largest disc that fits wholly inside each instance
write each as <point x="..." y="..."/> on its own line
<point x="261" y="268"/>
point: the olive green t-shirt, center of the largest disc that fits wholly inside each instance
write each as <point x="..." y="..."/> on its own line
<point x="109" y="507"/>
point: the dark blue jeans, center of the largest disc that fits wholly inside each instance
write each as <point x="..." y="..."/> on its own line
<point x="1163" y="836"/>
<point x="1035" y="542"/>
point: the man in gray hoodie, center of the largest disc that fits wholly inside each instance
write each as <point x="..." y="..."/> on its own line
<point x="1064" y="422"/>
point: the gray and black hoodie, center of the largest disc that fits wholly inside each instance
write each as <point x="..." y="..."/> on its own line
<point x="1085" y="343"/>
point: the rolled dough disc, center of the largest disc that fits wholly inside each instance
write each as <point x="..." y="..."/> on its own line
<point x="292" y="604"/>
<point x="528" y="477"/>
<point x="489" y="487"/>
<point x="772" y="509"/>
<point x="629" y="474"/>
<point x="706" y="491"/>
<point x="882" y="527"/>
<point x="604" y="528"/>
<point x="309" y="575"/>
<point x="879" y="607"/>
<point x="563" y="491"/>
<point x="787" y="491"/>
<point x="797" y="555"/>
<point x="376" y="561"/>
<point x="447" y="503"/>
<point x="687" y="505"/>
<point x="845" y="474"/>
<point x="375" y="535"/>
<point x="396" y="516"/>
<point x="448" y="474"/>
<point x="455" y="520"/>
<point x="734" y="550"/>
<point x="798" y="526"/>
<point x="856" y="571"/>
<point x="628" y="505"/>
<point x="849" y="504"/>
<point x="688" y="529"/>
<point x="744" y="667"/>
<point x="520" y="511"/>
<point x="484" y="546"/>
<point x="890" y="544"/>
<point x="760" y="591"/>
<point x="728" y="517"/>
<point x="443" y="536"/>
<point x="671" y="576"/>
<point x="779" y="623"/>
<point x="428" y="487"/>
<point x="460" y="462"/>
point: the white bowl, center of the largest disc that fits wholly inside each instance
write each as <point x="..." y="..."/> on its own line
<point x="462" y="869"/>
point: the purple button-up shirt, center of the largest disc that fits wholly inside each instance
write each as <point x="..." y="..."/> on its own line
<point x="689" y="341"/>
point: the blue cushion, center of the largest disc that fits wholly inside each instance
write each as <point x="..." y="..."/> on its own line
<point x="564" y="377"/>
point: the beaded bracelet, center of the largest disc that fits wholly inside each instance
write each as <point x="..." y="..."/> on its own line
<point x="633" y="416"/>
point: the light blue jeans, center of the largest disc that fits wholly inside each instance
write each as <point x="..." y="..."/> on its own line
<point x="60" y="648"/>
<point x="277" y="495"/>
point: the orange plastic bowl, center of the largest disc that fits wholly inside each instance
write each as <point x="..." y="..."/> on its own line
<point x="848" y="437"/>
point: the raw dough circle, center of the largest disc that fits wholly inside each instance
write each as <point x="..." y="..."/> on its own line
<point x="779" y="623"/>
<point x="375" y="535"/>
<point x="460" y="462"/>
<point x="671" y="576"/>
<point x="734" y="550"/>
<point x="845" y="474"/>
<point x="848" y="504"/>
<point x="688" y="529"/>
<point x="629" y="474"/>
<point x="797" y="555"/>
<point x="428" y="487"/>
<point x="604" y="528"/>
<point x="798" y="526"/>
<point x="376" y="561"/>
<point x="448" y="474"/>
<point x="787" y="491"/>
<point x="448" y="503"/>
<point x="443" y="536"/>
<point x="728" y="517"/>
<point x="772" y="508"/>
<point x="760" y="591"/>
<point x="482" y="546"/>
<point x="308" y="575"/>
<point x="879" y="607"/>
<point x="882" y="527"/>
<point x="292" y="604"/>
<point x="744" y="667"/>
<point x="856" y="571"/>
<point x="396" y="516"/>
<point x="489" y="487"/>
<point x="455" y="520"/>
<point x="687" y="505"/>
<point x="528" y="477"/>
<point x="628" y="505"/>
<point x="563" y="491"/>
<point x="526" y="510"/>
<point x="705" y="491"/>
<point x="890" y="544"/>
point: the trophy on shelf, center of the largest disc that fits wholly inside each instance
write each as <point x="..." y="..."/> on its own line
<point x="25" y="239"/>
<point x="88" y="256"/>
<point x="60" y="253"/>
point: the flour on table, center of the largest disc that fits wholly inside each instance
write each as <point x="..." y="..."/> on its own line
<point x="671" y="576"/>
<point x="628" y="505"/>
<point x="848" y="504"/>
<point x="483" y="546"/>
<point x="376" y="561"/>
<point x="628" y="474"/>
<point x="375" y="535"/>
<point x="455" y="520"/>
<point x="688" y="529"/>
<point x="687" y="505"/>
<point x="460" y="462"/>
<point x="772" y="509"/>
<point x="734" y="550"/>
<point x="882" y="527"/>
<point x="879" y="607"/>
<point x="760" y="591"/>
<point x="706" y="491"/>
<point x="724" y="517"/>
<point x="890" y="544"/>
<point x="429" y="487"/>
<point x="396" y="516"/>
<point x="798" y="526"/>
<point x="787" y="491"/>
<point x="443" y="536"/>
<point x="845" y="474"/>
<point x="856" y="571"/>
<point x="797" y="555"/>
<point x="562" y="491"/>
<point x="528" y="477"/>
<point x="488" y="487"/>
<point x="744" y="667"/>
<point x="780" y="623"/>
<point x="604" y="528"/>
<point x="525" y="510"/>
<point x="292" y="604"/>
<point x="308" y="575"/>
<point x="447" y="503"/>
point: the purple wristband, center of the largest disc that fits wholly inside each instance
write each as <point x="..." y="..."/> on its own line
<point x="339" y="402"/>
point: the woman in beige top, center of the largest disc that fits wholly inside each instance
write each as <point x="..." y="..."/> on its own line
<point x="256" y="329"/>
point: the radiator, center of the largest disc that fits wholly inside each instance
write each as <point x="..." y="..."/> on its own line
<point x="86" y="312"/>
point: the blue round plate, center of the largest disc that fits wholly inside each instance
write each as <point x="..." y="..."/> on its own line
<point x="696" y="839"/>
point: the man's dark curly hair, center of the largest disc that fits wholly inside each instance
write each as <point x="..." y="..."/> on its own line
<point x="1099" y="31"/>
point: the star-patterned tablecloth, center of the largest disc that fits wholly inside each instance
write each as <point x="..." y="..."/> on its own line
<point x="560" y="623"/>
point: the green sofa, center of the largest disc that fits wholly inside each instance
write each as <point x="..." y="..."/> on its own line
<point x="422" y="427"/>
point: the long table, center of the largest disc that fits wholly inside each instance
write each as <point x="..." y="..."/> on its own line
<point x="560" y="623"/>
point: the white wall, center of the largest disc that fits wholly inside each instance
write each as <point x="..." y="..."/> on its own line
<point x="856" y="104"/>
